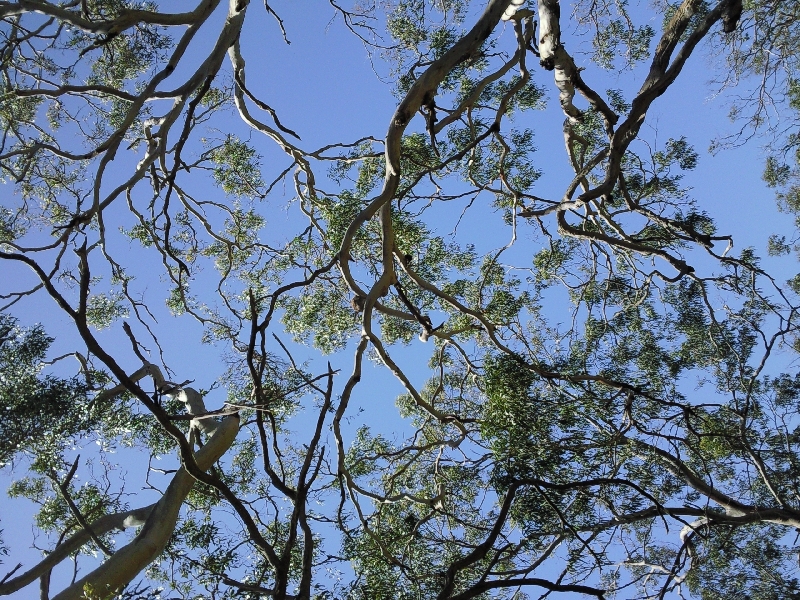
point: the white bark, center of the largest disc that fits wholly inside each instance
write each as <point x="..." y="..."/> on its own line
<point x="513" y="11"/>
<point x="159" y="519"/>
<point x="195" y="406"/>
<point x="125" y="564"/>
<point x="554" y="58"/>
<point x="120" y="520"/>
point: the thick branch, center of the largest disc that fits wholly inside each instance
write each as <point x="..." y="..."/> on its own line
<point x="103" y="525"/>
<point x="554" y="58"/>
<point x="130" y="560"/>
<point x="424" y="89"/>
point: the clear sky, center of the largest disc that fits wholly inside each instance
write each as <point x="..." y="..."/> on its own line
<point x="325" y="87"/>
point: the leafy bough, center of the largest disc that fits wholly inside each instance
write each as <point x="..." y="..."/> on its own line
<point x="157" y="520"/>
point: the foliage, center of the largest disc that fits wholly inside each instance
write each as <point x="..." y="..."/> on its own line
<point x="610" y="405"/>
<point x="40" y="412"/>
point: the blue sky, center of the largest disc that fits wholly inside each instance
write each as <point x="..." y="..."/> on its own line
<point x="324" y="87"/>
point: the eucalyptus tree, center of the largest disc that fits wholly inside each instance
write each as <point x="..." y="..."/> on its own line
<point x="602" y="412"/>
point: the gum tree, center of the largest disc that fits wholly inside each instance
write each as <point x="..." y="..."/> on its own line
<point x="604" y="412"/>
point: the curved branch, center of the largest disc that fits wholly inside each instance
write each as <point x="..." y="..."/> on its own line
<point x="121" y="520"/>
<point x="130" y="560"/>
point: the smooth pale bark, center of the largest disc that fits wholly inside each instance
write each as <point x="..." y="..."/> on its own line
<point x="106" y="523"/>
<point x="513" y="11"/>
<point x="176" y="492"/>
<point x="125" y="564"/>
<point x="126" y="19"/>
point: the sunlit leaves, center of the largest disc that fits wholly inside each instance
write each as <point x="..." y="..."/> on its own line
<point x="404" y="27"/>
<point x="103" y="309"/>
<point x="618" y="40"/>
<point x="237" y="169"/>
<point x="777" y="246"/>
<point x="240" y="235"/>
<point x="549" y="262"/>
<point x="40" y="412"/>
<point x="322" y="315"/>
<point x="574" y="358"/>
<point x="10" y="227"/>
<point x="733" y="559"/>
<point x="16" y="111"/>
<point x="679" y="152"/>
<point x="360" y="456"/>
<point x="124" y="57"/>
<point x="776" y="173"/>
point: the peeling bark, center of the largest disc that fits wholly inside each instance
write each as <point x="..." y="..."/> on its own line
<point x="554" y="58"/>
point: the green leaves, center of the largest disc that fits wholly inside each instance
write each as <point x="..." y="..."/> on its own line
<point x="620" y="45"/>
<point x="323" y="315"/>
<point x="122" y="58"/>
<point x="103" y="309"/>
<point x="238" y="168"/>
<point x="732" y="559"/>
<point x="41" y="413"/>
<point x="596" y="398"/>
<point x="677" y="152"/>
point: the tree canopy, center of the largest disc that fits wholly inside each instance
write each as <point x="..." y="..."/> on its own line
<point x="599" y="394"/>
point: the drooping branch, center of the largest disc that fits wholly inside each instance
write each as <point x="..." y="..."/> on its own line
<point x="661" y="75"/>
<point x="63" y="487"/>
<point x="126" y="19"/>
<point x="518" y="582"/>
<point x="159" y="519"/>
